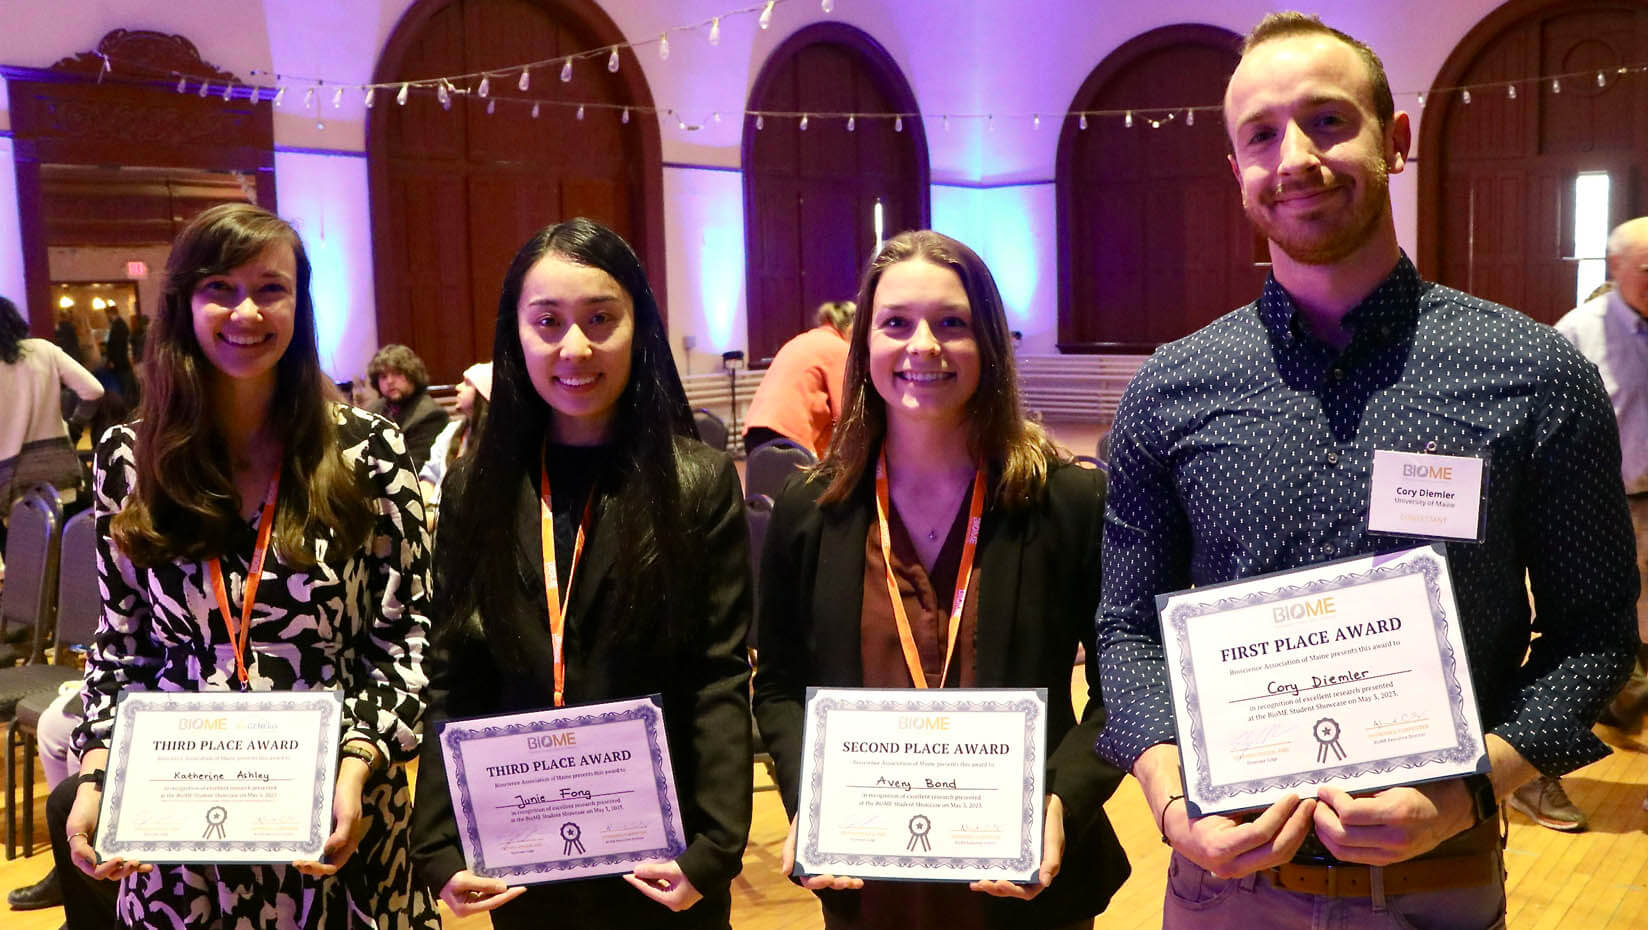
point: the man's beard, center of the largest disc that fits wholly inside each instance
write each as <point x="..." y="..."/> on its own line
<point x="1330" y="239"/>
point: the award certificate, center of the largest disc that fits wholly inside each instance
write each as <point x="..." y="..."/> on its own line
<point x="564" y="793"/>
<point x="1351" y="673"/>
<point x="929" y="785"/>
<point x="221" y="776"/>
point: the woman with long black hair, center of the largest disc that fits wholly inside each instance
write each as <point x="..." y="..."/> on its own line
<point x="586" y="401"/>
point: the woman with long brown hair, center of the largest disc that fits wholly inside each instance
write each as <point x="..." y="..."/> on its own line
<point x="255" y="534"/>
<point x="935" y="467"/>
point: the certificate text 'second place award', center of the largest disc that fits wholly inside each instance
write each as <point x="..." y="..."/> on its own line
<point x="1351" y="673"/>
<point x="929" y="785"/>
<point x="220" y="777"/>
<point x="563" y="793"/>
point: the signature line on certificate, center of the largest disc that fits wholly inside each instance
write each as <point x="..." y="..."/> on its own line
<point x="915" y="788"/>
<point x="1339" y="684"/>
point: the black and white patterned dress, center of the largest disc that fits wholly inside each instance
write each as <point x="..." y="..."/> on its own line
<point x="355" y="623"/>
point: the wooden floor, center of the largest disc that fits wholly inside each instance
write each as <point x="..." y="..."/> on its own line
<point x="1597" y="880"/>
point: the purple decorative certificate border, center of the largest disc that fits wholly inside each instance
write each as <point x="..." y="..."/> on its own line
<point x="1430" y="563"/>
<point x="454" y="733"/>
<point x="328" y="708"/>
<point x="818" y="710"/>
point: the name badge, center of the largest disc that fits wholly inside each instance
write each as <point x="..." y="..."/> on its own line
<point x="1426" y="495"/>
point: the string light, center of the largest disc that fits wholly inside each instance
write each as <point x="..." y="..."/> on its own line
<point x="803" y="122"/>
<point x="525" y="81"/>
<point x="309" y="99"/>
<point x="1083" y="123"/>
<point x="580" y="110"/>
<point x="1421" y="101"/>
<point x="491" y="105"/>
<point x="443" y="95"/>
<point x="485" y="90"/>
<point x="612" y="60"/>
<point x="1035" y="121"/>
<point x="716" y="117"/>
<point x="625" y="117"/>
<point x="370" y="98"/>
<point x="760" y="122"/>
<point x="1128" y="119"/>
<point x="946" y="122"/>
<point x="400" y="98"/>
<point x="182" y="84"/>
<point x="228" y="91"/>
<point x="828" y="6"/>
<point x="1510" y="91"/>
<point x="337" y="98"/>
<point x="898" y="124"/>
<point x="1466" y="96"/>
<point x="280" y="94"/>
<point x="566" y="71"/>
<point x="205" y="88"/>
<point x="680" y="123"/>
<point x="1601" y="81"/>
<point x="663" y="47"/>
<point x="715" y="31"/>
<point x="535" y="109"/>
<point x="990" y="123"/>
<point x="766" y="15"/>
<point x="1190" y="117"/>
<point x="1556" y="85"/>
<point x="852" y="123"/>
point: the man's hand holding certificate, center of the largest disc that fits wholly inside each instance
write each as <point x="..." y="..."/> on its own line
<point x="1351" y="674"/>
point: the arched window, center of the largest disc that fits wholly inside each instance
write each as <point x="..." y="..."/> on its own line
<point x="1152" y="240"/>
<point x="1516" y="194"/>
<point x="810" y="195"/>
<point x="456" y="191"/>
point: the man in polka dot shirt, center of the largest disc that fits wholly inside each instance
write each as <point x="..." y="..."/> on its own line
<point x="1247" y="447"/>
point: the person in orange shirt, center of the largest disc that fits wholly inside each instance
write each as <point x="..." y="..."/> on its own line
<point x="800" y="395"/>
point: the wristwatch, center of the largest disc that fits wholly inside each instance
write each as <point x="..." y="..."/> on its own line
<point x="1483" y="804"/>
<point x="90" y="778"/>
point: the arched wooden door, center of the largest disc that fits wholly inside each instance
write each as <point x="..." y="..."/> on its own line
<point x="1153" y="243"/>
<point x="455" y="192"/>
<point x="810" y="195"/>
<point x="1497" y="176"/>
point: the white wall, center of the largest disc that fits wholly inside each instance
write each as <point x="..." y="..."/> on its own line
<point x="963" y="57"/>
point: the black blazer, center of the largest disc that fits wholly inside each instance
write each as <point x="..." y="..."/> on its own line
<point x="1038" y="589"/>
<point x="510" y="668"/>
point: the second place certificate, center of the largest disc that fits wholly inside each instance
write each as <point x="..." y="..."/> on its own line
<point x="941" y="785"/>
<point x="572" y="792"/>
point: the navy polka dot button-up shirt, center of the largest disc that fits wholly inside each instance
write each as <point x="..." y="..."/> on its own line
<point x="1247" y="447"/>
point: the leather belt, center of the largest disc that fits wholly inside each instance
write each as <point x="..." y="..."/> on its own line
<point x="1442" y="873"/>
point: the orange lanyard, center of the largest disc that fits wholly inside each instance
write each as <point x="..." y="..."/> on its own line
<point x="242" y="635"/>
<point x="975" y="513"/>
<point x="552" y="581"/>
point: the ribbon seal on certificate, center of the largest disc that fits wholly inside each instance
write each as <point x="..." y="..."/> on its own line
<point x="920" y="826"/>
<point x="1351" y="673"/>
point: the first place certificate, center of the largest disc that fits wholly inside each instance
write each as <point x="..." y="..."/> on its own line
<point x="220" y="777"/>
<point x="931" y="785"/>
<point x="1351" y="673"/>
<point x="563" y="793"/>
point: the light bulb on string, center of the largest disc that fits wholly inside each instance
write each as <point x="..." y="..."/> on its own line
<point x="1510" y="91"/>
<point x="491" y="106"/>
<point x="1155" y="124"/>
<point x="946" y="122"/>
<point x="680" y="123"/>
<point x="612" y="60"/>
<point x="280" y="94"/>
<point x="716" y="117"/>
<point x="182" y="84"/>
<point x="760" y="122"/>
<point x="715" y="31"/>
<point x="485" y="90"/>
<point x="337" y="98"/>
<point x="1035" y="121"/>
<point x="1082" y="123"/>
<point x="766" y="15"/>
<point x="371" y="97"/>
<point x="443" y="95"/>
<point x="1190" y="117"/>
<point x="309" y="99"/>
<point x="525" y="81"/>
<point x="536" y="104"/>
<point x="898" y="124"/>
<point x="663" y="47"/>
<point x="625" y="117"/>
<point x="580" y="110"/>
<point x="1556" y="85"/>
<point x="400" y="98"/>
<point x="1128" y="119"/>
<point x="205" y="88"/>
<point x="228" y="92"/>
<point x="990" y="123"/>
<point x="852" y="123"/>
<point x="1421" y="101"/>
<point x="566" y="71"/>
<point x="1466" y="95"/>
<point x="320" y="124"/>
<point x="828" y="6"/>
<point x="803" y="122"/>
<point x="1601" y="81"/>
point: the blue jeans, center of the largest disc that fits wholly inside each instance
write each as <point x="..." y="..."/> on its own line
<point x="1196" y="900"/>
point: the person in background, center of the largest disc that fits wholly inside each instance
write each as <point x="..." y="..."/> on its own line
<point x="244" y="456"/>
<point x="799" y="397"/>
<point x="34" y="439"/>
<point x="402" y="382"/>
<point x="586" y="400"/>
<point x="459" y="436"/>
<point x="935" y="457"/>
